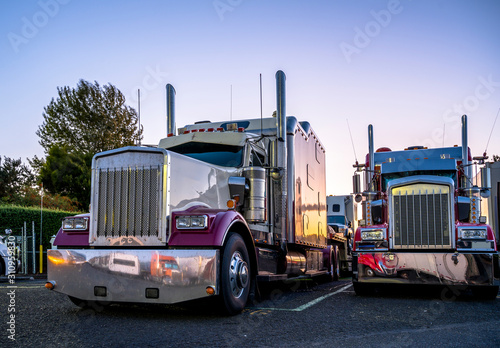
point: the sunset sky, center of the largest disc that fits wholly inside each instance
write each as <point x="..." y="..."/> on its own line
<point x="410" y="68"/>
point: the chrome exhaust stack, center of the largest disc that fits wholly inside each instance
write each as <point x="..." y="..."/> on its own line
<point x="465" y="153"/>
<point x="170" y="110"/>
<point x="281" y="153"/>
<point x="371" y="152"/>
<point x="281" y="120"/>
<point x="281" y="106"/>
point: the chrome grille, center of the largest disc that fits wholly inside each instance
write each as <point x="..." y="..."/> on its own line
<point x="128" y="201"/>
<point x="421" y="216"/>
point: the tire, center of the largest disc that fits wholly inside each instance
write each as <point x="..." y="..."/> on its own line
<point x="235" y="275"/>
<point x="485" y="292"/>
<point x="2" y="269"/>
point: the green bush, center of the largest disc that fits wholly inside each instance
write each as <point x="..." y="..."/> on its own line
<point x="13" y="217"/>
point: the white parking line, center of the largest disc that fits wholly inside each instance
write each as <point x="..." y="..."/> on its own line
<point x="309" y="304"/>
<point x="23" y="287"/>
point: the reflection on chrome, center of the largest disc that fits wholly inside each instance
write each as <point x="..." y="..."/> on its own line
<point x="419" y="268"/>
<point x="179" y="275"/>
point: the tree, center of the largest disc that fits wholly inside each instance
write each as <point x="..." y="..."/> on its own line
<point x="496" y="158"/>
<point x="88" y="119"/>
<point x="67" y="174"/>
<point x="77" y="125"/>
<point x="13" y="177"/>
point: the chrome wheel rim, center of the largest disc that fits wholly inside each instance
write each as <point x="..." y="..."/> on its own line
<point x="238" y="274"/>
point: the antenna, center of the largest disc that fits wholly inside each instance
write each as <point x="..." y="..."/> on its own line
<point x="352" y="141"/>
<point x="444" y="132"/>
<point x="139" y="113"/>
<point x="491" y="132"/>
<point x="260" y="104"/>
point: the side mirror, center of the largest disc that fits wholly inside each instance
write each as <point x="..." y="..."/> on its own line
<point x="485" y="182"/>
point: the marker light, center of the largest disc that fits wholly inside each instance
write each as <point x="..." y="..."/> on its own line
<point x="231" y="203"/>
<point x="51" y="284"/>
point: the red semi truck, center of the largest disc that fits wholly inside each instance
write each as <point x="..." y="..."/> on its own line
<point x="232" y="202"/>
<point x="422" y="221"/>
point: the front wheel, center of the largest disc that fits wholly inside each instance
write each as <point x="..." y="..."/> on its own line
<point x="235" y="274"/>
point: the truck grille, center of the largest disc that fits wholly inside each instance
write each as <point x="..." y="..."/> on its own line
<point x="421" y="216"/>
<point x="128" y="202"/>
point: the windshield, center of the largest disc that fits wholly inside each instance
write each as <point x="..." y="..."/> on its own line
<point x="336" y="219"/>
<point x="218" y="154"/>
<point x="445" y="173"/>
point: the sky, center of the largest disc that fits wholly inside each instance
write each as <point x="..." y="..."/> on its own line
<point x="409" y="68"/>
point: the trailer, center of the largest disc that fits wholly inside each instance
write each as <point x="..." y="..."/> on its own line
<point x="341" y="219"/>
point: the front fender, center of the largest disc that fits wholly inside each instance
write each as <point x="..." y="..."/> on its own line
<point x="220" y="222"/>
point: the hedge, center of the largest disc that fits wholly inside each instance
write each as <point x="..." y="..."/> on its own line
<point x="13" y="217"/>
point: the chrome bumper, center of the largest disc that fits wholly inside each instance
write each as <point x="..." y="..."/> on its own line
<point x="133" y="275"/>
<point x="425" y="268"/>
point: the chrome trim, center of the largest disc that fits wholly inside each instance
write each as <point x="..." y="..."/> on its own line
<point x="292" y="197"/>
<point x="127" y="274"/>
<point x="422" y="179"/>
<point x="129" y="197"/>
<point x="426" y="268"/>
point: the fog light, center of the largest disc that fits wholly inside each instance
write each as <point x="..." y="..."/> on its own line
<point x="152" y="293"/>
<point x="100" y="291"/>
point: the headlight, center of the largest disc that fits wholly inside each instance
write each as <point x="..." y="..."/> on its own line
<point x="473" y="233"/>
<point x="75" y="224"/>
<point x="191" y="222"/>
<point x="372" y="235"/>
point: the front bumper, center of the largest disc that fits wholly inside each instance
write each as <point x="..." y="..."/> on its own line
<point x="426" y="268"/>
<point x="128" y="275"/>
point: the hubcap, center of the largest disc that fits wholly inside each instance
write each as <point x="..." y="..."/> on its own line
<point x="369" y="272"/>
<point x="238" y="274"/>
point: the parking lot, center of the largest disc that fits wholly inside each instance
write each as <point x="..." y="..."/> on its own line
<point x="292" y="315"/>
